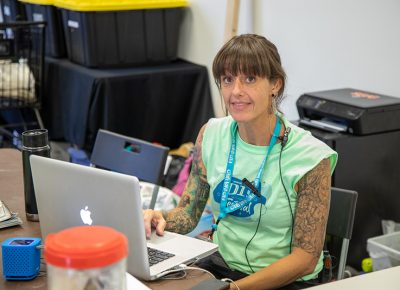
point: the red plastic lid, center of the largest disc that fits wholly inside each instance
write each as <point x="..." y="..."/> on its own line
<point x="85" y="247"/>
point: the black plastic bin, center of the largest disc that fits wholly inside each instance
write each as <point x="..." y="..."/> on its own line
<point x="111" y="33"/>
<point x="12" y="10"/>
<point x="55" y="41"/>
<point x="122" y="38"/>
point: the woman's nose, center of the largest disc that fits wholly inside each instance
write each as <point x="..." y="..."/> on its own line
<point x="237" y="86"/>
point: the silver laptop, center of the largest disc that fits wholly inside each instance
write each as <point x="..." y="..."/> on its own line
<point x="69" y="195"/>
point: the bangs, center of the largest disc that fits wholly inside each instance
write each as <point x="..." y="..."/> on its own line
<point x="250" y="55"/>
<point x="244" y="57"/>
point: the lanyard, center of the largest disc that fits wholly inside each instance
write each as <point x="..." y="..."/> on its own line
<point x="224" y="209"/>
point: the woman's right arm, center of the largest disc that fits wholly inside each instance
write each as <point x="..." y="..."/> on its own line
<point x="184" y="218"/>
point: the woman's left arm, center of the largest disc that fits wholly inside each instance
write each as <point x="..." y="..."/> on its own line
<point x="308" y="234"/>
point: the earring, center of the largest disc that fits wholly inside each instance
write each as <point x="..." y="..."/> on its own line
<point x="273" y="108"/>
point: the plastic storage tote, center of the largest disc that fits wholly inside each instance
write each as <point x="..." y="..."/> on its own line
<point x="121" y="33"/>
<point x="43" y="10"/>
<point x="12" y="10"/>
<point x="384" y="251"/>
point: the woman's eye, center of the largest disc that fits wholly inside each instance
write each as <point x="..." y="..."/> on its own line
<point x="227" y="79"/>
<point x="250" y="79"/>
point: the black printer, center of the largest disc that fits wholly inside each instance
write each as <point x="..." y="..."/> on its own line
<point x="364" y="129"/>
<point x="349" y="110"/>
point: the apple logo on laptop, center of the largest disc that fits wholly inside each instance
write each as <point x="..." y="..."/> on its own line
<point x="85" y="216"/>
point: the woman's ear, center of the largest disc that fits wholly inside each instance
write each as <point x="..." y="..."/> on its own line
<point x="276" y="85"/>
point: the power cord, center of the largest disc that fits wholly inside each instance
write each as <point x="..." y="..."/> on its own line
<point x="291" y="211"/>
<point x="230" y="281"/>
<point x="284" y="140"/>
<point x="183" y="268"/>
<point x="288" y="199"/>
<point x="175" y="276"/>
<point x="43" y="264"/>
<point x="198" y="269"/>
<point x="287" y="196"/>
<point x="245" y="249"/>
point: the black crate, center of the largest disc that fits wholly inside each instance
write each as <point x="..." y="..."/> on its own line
<point x="122" y="38"/>
<point x="21" y="64"/>
<point x="55" y="42"/>
<point x="12" y="10"/>
<point x="21" y="78"/>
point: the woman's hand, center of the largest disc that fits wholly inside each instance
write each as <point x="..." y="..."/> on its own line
<point x="154" y="219"/>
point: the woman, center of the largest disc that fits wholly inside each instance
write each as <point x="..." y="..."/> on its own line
<point x="270" y="232"/>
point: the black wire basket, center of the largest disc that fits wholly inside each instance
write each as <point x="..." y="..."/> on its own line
<point x="21" y="70"/>
<point x="21" y="64"/>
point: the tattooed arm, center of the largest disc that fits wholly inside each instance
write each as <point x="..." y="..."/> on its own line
<point x="309" y="234"/>
<point x="184" y="218"/>
<point x="313" y="210"/>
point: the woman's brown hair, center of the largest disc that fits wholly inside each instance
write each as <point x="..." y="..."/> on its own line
<point x="251" y="55"/>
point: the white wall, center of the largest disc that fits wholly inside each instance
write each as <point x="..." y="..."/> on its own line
<point x="324" y="44"/>
<point x="202" y="35"/>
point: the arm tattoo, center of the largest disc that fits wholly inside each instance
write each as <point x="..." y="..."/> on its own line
<point x="186" y="215"/>
<point x="313" y="209"/>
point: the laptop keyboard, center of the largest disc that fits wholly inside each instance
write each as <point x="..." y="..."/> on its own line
<point x="157" y="256"/>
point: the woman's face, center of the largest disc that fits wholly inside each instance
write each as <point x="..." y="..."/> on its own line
<point x="248" y="98"/>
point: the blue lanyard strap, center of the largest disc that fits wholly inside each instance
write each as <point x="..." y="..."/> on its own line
<point x="224" y="209"/>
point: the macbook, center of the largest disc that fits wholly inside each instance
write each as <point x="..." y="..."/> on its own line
<point x="69" y="195"/>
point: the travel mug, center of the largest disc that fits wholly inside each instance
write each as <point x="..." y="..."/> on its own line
<point x="34" y="142"/>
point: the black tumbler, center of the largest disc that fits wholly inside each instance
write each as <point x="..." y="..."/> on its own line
<point x="34" y="142"/>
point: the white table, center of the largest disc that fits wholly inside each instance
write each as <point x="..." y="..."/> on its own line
<point x="388" y="279"/>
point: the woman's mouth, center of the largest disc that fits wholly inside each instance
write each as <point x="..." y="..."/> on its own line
<point x="239" y="105"/>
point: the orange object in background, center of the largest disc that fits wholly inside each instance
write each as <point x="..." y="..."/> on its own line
<point x="86" y="257"/>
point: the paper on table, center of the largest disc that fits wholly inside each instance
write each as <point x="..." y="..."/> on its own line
<point x="5" y="213"/>
<point x="8" y="218"/>
<point x="13" y="221"/>
<point x="134" y="284"/>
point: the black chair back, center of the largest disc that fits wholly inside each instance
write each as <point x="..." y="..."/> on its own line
<point x="341" y="220"/>
<point x="130" y="156"/>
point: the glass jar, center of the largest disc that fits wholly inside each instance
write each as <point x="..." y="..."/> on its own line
<point x="86" y="257"/>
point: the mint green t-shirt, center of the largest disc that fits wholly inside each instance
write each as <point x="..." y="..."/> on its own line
<point x="301" y="153"/>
